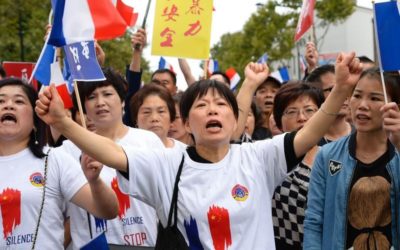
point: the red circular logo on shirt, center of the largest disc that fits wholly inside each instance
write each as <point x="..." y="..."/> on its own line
<point x="240" y="193"/>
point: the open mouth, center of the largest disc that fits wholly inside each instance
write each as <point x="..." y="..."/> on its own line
<point x="269" y="103"/>
<point x="8" y="118"/>
<point x="213" y="124"/>
<point x="362" y="117"/>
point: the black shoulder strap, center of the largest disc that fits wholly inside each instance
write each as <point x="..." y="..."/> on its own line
<point x="174" y="203"/>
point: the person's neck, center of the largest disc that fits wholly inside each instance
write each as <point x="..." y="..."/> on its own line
<point x="265" y="117"/>
<point x="12" y="147"/>
<point x="370" y="145"/>
<point x="187" y="139"/>
<point x="168" y="142"/>
<point x="339" y="128"/>
<point x="212" y="154"/>
<point x="115" y="132"/>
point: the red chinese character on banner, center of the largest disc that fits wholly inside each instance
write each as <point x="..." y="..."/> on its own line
<point x="167" y="33"/>
<point x="193" y="29"/>
<point x="170" y="14"/>
<point x="195" y="8"/>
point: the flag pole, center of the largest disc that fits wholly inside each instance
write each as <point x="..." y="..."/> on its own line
<point x="43" y="49"/>
<point x="205" y="68"/>
<point x="78" y="101"/>
<point x="137" y="46"/>
<point x="379" y="54"/>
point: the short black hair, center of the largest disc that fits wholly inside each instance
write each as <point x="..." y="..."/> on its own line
<point x="226" y="78"/>
<point x="314" y="78"/>
<point x="289" y="93"/>
<point x="170" y="72"/>
<point x="269" y="81"/>
<point x="365" y="59"/>
<point x="200" y="89"/>
<point x="112" y="78"/>
<point x="149" y="90"/>
<point x="38" y="133"/>
<point x="3" y="73"/>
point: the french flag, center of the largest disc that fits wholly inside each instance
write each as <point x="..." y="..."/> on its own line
<point x="212" y="66"/>
<point x="163" y="64"/>
<point x="85" y="20"/>
<point x="282" y="74"/>
<point x="234" y="77"/>
<point x="126" y="11"/>
<point x="61" y="84"/>
<point x="263" y="59"/>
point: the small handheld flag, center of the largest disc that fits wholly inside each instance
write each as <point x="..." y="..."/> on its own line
<point x="263" y="58"/>
<point x="234" y="77"/>
<point x="282" y="74"/>
<point x="163" y="64"/>
<point x="82" y="61"/>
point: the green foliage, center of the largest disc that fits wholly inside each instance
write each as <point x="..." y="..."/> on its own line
<point x="272" y="31"/>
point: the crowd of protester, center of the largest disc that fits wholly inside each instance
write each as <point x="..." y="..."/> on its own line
<point x="303" y="164"/>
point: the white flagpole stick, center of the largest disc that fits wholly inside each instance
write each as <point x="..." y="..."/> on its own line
<point x="379" y="55"/>
<point x="78" y="101"/>
<point x="42" y="52"/>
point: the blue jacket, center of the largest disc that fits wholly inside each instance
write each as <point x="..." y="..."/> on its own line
<point x="325" y="223"/>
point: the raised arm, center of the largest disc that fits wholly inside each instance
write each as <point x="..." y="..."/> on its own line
<point x="96" y="197"/>
<point x="255" y="74"/>
<point x="50" y="109"/>
<point x="347" y="70"/>
<point x="311" y="56"/>
<point x="187" y="73"/>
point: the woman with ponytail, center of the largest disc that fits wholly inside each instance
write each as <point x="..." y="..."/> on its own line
<point x="353" y="198"/>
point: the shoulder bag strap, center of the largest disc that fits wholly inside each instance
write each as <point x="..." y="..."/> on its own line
<point x="43" y="197"/>
<point x="174" y="202"/>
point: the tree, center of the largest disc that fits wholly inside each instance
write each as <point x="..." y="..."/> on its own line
<point x="272" y="31"/>
<point x="28" y="19"/>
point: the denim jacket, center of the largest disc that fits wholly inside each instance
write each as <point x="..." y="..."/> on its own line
<point x="325" y="223"/>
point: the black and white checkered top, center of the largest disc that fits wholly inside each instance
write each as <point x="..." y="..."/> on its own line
<point x="288" y="208"/>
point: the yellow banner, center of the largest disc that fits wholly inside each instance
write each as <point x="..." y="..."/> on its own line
<point x="182" y="28"/>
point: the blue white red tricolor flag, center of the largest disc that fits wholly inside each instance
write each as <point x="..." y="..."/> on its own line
<point x="263" y="58"/>
<point x="61" y="85"/>
<point x="84" y="20"/>
<point x="234" y="77"/>
<point x="163" y="64"/>
<point x="82" y="62"/>
<point x="212" y="66"/>
<point x="282" y="74"/>
<point x="387" y="28"/>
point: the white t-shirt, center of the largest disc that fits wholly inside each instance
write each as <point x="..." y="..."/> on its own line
<point x="136" y="223"/>
<point x="21" y="189"/>
<point x="224" y="205"/>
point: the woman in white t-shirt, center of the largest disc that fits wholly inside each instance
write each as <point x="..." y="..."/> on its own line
<point x="153" y="109"/>
<point x="224" y="189"/>
<point x="136" y="224"/>
<point x="35" y="181"/>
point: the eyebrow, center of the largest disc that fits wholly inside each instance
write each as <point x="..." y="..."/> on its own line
<point x="372" y="93"/>
<point x="14" y="96"/>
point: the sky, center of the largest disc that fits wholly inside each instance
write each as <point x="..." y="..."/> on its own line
<point x="227" y="18"/>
